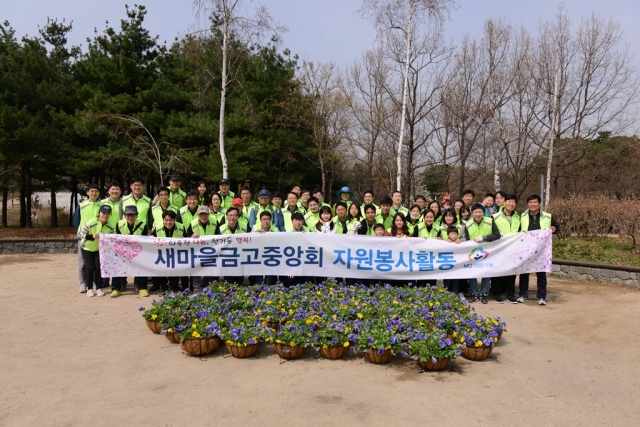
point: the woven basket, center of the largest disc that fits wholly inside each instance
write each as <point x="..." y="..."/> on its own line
<point x="288" y="352"/>
<point x="333" y="352"/>
<point x="173" y="337"/>
<point x="272" y="325"/>
<point x="241" y="352"/>
<point x="476" y="353"/>
<point x="199" y="346"/>
<point x="499" y="336"/>
<point x="438" y="366"/>
<point x="374" y="357"/>
<point x="154" y="326"/>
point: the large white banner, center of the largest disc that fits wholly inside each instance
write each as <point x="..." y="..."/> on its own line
<point x="324" y="255"/>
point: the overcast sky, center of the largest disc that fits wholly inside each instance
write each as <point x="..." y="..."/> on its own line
<point x="319" y="30"/>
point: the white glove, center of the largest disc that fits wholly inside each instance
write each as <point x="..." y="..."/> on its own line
<point x="326" y="228"/>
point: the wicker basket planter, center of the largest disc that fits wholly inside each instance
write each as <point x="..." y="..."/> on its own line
<point x="288" y="351"/>
<point x="241" y="351"/>
<point x="173" y="337"/>
<point x="272" y="325"/>
<point x="154" y="326"/>
<point x="374" y="357"/>
<point x="333" y="352"/>
<point x="438" y="366"/>
<point x="476" y="353"/>
<point x="199" y="346"/>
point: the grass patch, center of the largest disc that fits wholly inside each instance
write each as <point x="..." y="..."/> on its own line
<point x="608" y="250"/>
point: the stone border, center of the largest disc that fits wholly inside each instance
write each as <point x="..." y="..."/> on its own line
<point x="38" y="246"/>
<point x="618" y="274"/>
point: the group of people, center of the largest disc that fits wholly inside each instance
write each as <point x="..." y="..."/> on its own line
<point x="176" y="213"/>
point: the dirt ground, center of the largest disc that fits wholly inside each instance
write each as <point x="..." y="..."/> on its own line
<point x="68" y="360"/>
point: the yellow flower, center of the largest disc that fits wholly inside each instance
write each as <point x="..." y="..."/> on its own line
<point x="193" y="325"/>
<point x="335" y="316"/>
<point x="478" y="343"/>
<point x="269" y="301"/>
<point x="195" y="334"/>
<point x="506" y="329"/>
<point x="360" y="316"/>
<point x="495" y="322"/>
<point x="461" y="339"/>
<point x="278" y="342"/>
<point x="154" y="316"/>
<point x="346" y="344"/>
<point x="169" y="330"/>
<point x="292" y="344"/>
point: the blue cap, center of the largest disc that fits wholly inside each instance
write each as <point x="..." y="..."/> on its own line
<point x="264" y="193"/>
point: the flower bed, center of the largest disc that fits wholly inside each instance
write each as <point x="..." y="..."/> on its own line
<point x="422" y="323"/>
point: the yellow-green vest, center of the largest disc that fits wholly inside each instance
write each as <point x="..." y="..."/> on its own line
<point x="504" y="225"/>
<point x="157" y="213"/>
<point x="387" y="222"/>
<point x="116" y="210"/>
<point x="423" y="232"/>
<point x="143" y="204"/>
<point x="445" y="235"/>
<point x="209" y="229"/>
<point x="286" y="215"/>
<point x="258" y="227"/>
<point x="138" y="227"/>
<point x="545" y="220"/>
<point x="95" y="226"/>
<point x="88" y="211"/>
<point x="479" y="230"/>
<point x="227" y="201"/>
<point x="177" y="199"/>
<point x="178" y="231"/>
<point x="311" y="219"/>
<point x="224" y="229"/>
<point x="187" y="217"/>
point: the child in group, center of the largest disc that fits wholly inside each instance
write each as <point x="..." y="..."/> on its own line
<point x="378" y="229"/>
<point x="453" y="236"/>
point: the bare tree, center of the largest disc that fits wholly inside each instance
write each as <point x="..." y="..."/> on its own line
<point x="405" y="17"/>
<point x="230" y="21"/>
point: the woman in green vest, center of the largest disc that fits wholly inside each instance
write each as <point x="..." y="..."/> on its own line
<point x="203" y="193"/>
<point x="414" y="219"/>
<point x="217" y="211"/>
<point x="437" y="211"/>
<point x="449" y="218"/>
<point x="89" y="236"/>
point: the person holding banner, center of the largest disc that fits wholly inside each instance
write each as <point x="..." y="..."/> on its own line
<point x="414" y="220"/>
<point x="535" y="219"/>
<point x="86" y="211"/>
<point x="264" y="226"/>
<point x="325" y="222"/>
<point x="89" y="236"/>
<point x="508" y="222"/>
<point x="428" y="228"/>
<point x="449" y="219"/>
<point x="202" y="226"/>
<point x="131" y="226"/>
<point x="232" y="226"/>
<point x="480" y="229"/>
<point x="297" y="219"/>
<point x="354" y="215"/>
<point x="399" y="227"/>
<point x="452" y="285"/>
<point x="170" y="228"/>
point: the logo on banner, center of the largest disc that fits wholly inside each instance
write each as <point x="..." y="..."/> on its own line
<point x="478" y="254"/>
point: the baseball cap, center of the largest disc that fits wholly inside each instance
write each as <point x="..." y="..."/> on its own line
<point x="264" y="193"/>
<point x="131" y="210"/>
<point x="223" y="181"/>
<point x="105" y="209"/>
<point x="175" y="177"/>
<point x="237" y="201"/>
<point x="203" y="209"/>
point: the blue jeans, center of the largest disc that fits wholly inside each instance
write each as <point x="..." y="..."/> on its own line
<point x="473" y="286"/>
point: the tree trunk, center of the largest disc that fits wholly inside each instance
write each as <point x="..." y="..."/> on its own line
<point x="73" y="203"/>
<point x="496" y="175"/>
<point x="28" y="193"/>
<point x="54" y="206"/>
<point x="5" y="195"/>
<point x="23" y="208"/>
<point x="223" y="96"/>
<point x="405" y="84"/>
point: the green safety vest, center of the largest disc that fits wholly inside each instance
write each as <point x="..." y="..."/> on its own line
<point x="404" y="211"/>
<point x="88" y="211"/>
<point x="445" y="236"/>
<point x="423" y="232"/>
<point x="158" y="213"/>
<point x="202" y="201"/>
<point x="123" y="227"/>
<point x="209" y="229"/>
<point x="311" y="219"/>
<point x="412" y="226"/>
<point x="545" y="220"/>
<point x="224" y="229"/>
<point x="479" y="230"/>
<point x="386" y="222"/>
<point x="217" y="217"/>
<point x="187" y="216"/>
<point x="258" y="209"/>
<point x="177" y="199"/>
<point x="503" y="224"/>
<point x="227" y="201"/>
<point x="178" y="231"/>
<point x="370" y="230"/>
<point x="246" y="210"/>
<point x="286" y="214"/>
<point x="94" y="226"/>
<point x="258" y="227"/>
<point x="338" y="225"/>
<point x="348" y="202"/>
<point x="143" y="204"/>
<point x="117" y="213"/>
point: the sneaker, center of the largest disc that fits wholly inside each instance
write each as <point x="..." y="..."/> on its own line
<point x="541" y="301"/>
<point x="100" y="293"/>
<point x="90" y="293"/>
<point x="115" y="294"/>
<point x="143" y="293"/>
<point x="473" y="298"/>
<point x="154" y="288"/>
<point x="512" y="299"/>
<point x="483" y="299"/>
<point x="499" y="300"/>
<point x="523" y="300"/>
<point x="83" y="288"/>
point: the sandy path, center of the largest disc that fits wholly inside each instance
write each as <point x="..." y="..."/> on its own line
<point x="68" y="360"/>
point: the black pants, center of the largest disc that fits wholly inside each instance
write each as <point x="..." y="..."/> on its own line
<point x="234" y="279"/>
<point x="504" y="284"/>
<point x="463" y="285"/>
<point x="92" y="268"/>
<point x="161" y="282"/>
<point x="524" y="285"/>
<point x="139" y="282"/>
<point x="451" y="285"/>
